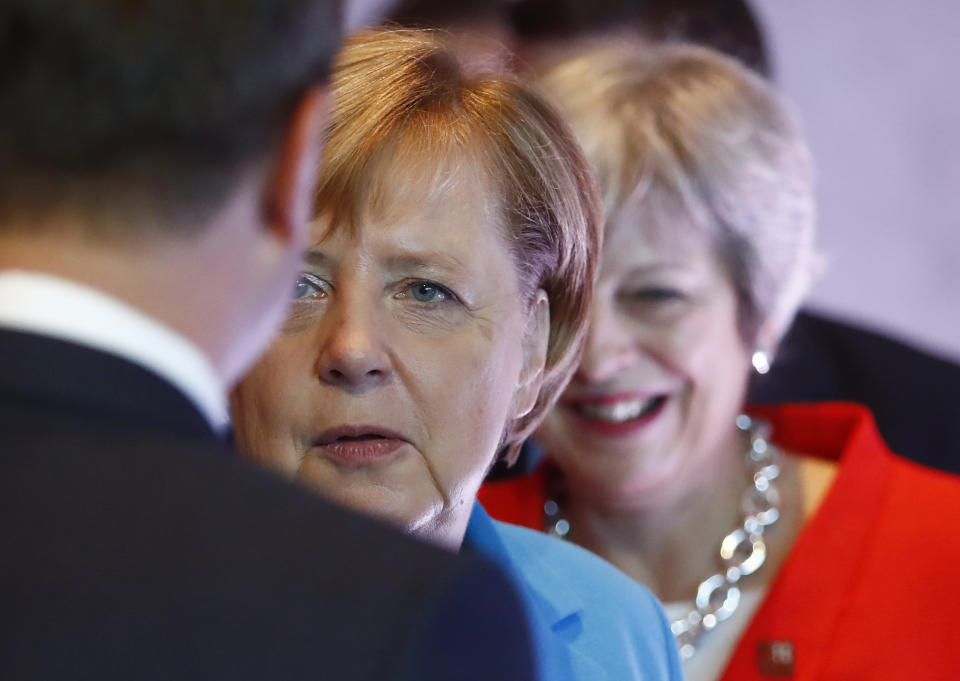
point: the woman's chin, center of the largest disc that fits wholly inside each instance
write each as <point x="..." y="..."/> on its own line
<point x="632" y="484"/>
<point x="401" y="494"/>
<point x="410" y="514"/>
<point x="382" y="503"/>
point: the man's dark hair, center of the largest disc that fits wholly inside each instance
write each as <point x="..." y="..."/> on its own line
<point x="154" y="103"/>
<point x="729" y="26"/>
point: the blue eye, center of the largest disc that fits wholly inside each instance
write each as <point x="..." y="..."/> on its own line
<point x="308" y="286"/>
<point x="425" y="292"/>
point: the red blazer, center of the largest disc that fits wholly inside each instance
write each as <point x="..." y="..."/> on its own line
<point x="871" y="588"/>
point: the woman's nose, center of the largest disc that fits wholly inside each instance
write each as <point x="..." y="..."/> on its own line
<point x="608" y="350"/>
<point x="353" y="355"/>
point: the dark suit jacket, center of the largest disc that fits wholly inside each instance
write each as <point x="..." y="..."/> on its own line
<point x="914" y="396"/>
<point x="134" y="546"/>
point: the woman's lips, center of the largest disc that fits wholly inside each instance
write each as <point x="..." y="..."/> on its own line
<point x="359" y="446"/>
<point x="616" y="415"/>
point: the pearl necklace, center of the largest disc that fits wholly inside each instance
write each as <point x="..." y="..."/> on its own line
<point x="742" y="550"/>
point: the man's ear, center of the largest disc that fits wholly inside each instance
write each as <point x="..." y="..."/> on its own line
<point x="536" y="338"/>
<point x="288" y="203"/>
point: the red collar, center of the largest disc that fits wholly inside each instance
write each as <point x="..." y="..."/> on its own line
<point x="805" y="601"/>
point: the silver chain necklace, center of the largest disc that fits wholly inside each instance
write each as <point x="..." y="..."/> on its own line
<point x="742" y="550"/>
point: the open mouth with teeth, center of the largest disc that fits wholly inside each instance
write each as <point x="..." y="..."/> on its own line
<point x="620" y="411"/>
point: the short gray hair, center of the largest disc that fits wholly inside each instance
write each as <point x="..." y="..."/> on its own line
<point x="678" y="127"/>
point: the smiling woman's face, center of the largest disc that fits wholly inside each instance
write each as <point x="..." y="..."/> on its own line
<point x="404" y="357"/>
<point x="651" y="409"/>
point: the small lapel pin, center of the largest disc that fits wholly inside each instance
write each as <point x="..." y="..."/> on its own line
<point x="776" y="658"/>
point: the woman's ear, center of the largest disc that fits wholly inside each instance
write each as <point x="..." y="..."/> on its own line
<point x="536" y="338"/>
<point x="767" y="341"/>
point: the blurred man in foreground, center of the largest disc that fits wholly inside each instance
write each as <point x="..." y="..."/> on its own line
<point x="156" y="163"/>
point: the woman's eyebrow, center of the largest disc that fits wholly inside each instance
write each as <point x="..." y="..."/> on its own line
<point x="661" y="267"/>
<point x="425" y="261"/>
<point x="315" y="258"/>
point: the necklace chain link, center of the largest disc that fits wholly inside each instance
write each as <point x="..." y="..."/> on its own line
<point x="742" y="551"/>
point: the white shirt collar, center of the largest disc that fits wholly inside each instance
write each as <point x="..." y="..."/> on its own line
<point x="60" y="308"/>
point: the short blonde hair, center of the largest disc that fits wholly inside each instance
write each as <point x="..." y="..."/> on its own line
<point x="678" y="127"/>
<point x="407" y="114"/>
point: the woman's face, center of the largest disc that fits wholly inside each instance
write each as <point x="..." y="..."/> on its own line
<point x="663" y="376"/>
<point x="408" y="349"/>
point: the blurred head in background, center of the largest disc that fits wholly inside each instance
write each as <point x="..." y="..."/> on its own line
<point x="532" y="27"/>
<point x="728" y="26"/>
<point x="709" y="210"/>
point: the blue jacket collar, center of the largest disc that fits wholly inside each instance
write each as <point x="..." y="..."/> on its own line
<point x="556" y="598"/>
<point x="557" y="601"/>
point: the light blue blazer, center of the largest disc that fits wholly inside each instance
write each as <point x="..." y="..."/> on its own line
<point x="592" y="622"/>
